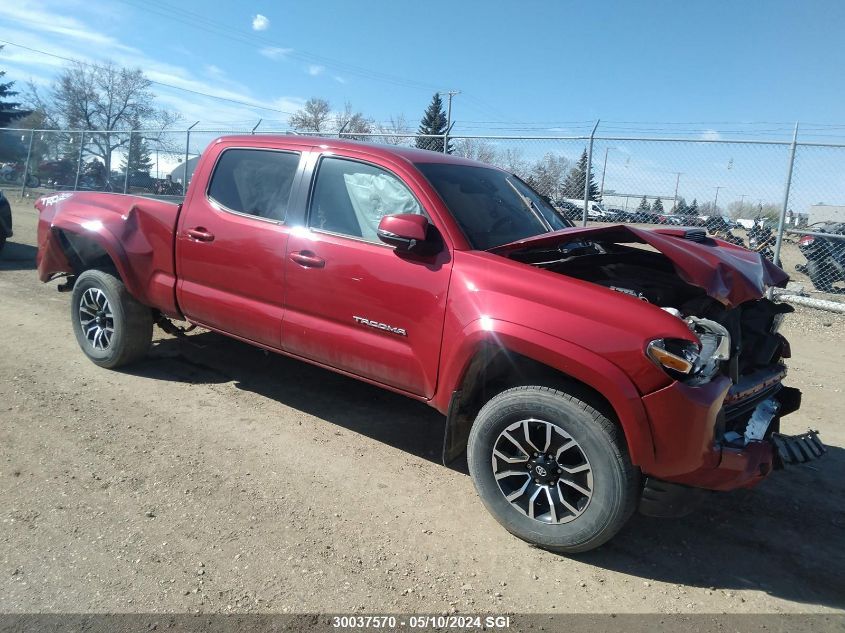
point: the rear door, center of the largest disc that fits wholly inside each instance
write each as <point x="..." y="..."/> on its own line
<point x="231" y="243"/>
<point x="352" y="302"/>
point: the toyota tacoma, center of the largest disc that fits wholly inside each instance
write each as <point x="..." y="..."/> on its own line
<point x="586" y="372"/>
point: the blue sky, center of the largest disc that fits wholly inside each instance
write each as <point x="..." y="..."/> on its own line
<point x="718" y="69"/>
<point x="528" y="64"/>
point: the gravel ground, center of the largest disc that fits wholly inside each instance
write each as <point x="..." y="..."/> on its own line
<point x="213" y="477"/>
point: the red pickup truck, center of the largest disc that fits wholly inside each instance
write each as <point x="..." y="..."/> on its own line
<point x="585" y="371"/>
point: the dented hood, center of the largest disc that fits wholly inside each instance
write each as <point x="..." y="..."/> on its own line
<point x="728" y="273"/>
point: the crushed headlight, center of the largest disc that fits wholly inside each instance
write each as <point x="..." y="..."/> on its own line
<point x="677" y="356"/>
<point x="684" y="360"/>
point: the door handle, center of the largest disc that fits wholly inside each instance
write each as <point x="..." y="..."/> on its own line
<point x="200" y="234"/>
<point x="307" y="259"/>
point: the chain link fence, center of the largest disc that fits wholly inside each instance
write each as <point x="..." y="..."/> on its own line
<point x="785" y="199"/>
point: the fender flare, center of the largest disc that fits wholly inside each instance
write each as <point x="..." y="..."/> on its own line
<point x="564" y="356"/>
<point x="100" y="234"/>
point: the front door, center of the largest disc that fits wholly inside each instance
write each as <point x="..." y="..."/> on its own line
<point x="354" y="303"/>
<point x="231" y="243"/>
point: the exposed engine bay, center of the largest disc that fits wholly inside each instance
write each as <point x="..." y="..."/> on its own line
<point x="741" y="343"/>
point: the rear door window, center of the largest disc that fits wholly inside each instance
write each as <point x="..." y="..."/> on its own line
<point x="254" y="182"/>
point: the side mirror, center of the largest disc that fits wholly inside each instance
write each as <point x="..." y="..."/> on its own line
<point x="403" y="230"/>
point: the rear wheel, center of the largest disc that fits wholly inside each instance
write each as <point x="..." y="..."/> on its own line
<point x="820" y="274"/>
<point x="551" y="469"/>
<point x="111" y="326"/>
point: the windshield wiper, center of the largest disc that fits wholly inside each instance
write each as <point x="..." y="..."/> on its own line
<point x="531" y="206"/>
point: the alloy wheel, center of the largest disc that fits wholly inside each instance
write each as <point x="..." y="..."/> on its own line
<point x="542" y="471"/>
<point x="96" y="319"/>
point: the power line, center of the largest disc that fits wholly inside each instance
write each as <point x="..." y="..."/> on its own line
<point x="203" y="23"/>
<point x="158" y="83"/>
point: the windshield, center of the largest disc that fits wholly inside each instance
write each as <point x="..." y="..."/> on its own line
<point x="492" y="207"/>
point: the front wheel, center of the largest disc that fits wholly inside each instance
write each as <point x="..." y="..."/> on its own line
<point x="111" y="326"/>
<point x="551" y="469"/>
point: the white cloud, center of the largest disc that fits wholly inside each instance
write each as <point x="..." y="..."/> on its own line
<point x="711" y="135"/>
<point x="260" y="22"/>
<point x="214" y="71"/>
<point x="339" y="79"/>
<point x="71" y="38"/>
<point x="315" y="69"/>
<point x="275" y="52"/>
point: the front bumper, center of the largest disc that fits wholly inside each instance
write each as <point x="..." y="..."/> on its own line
<point x="692" y="446"/>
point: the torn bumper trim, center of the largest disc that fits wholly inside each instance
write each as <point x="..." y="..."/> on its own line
<point x="798" y="449"/>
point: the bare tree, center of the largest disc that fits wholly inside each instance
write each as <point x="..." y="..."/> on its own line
<point x="548" y="175"/>
<point x="511" y="160"/>
<point x="476" y="149"/>
<point x="396" y="131"/>
<point x="108" y="100"/>
<point x="312" y="117"/>
<point x="353" y="124"/>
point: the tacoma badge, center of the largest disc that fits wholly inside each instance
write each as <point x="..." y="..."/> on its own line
<point x="380" y="326"/>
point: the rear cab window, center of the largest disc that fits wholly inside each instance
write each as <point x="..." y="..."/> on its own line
<point x="254" y="182"/>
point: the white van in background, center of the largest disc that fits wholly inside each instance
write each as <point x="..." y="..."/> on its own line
<point x="595" y="211"/>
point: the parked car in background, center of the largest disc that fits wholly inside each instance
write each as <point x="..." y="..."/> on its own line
<point x="5" y="220"/>
<point x="825" y="256"/>
<point x="569" y="210"/>
<point x="668" y="218"/>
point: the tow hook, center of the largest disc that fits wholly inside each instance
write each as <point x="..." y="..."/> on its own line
<point x="171" y="328"/>
<point x="67" y="286"/>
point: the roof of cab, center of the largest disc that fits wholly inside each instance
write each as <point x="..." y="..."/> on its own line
<point x="412" y="155"/>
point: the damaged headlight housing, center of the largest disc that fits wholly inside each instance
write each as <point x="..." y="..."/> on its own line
<point x="691" y="363"/>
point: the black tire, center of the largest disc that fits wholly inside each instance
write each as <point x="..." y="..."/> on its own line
<point x="615" y="481"/>
<point x="131" y="322"/>
<point x="2" y="240"/>
<point x="819" y="274"/>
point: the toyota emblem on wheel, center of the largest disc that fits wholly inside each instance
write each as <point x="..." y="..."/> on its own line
<point x="540" y="471"/>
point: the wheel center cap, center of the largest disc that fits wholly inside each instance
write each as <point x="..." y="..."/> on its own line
<point x="544" y="469"/>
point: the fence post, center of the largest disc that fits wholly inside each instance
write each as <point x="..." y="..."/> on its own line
<point x="128" y="158"/>
<point x="26" y="164"/>
<point x="782" y="219"/>
<point x="79" y="160"/>
<point x="587" y="173"/>
<point x="185" y="164"/>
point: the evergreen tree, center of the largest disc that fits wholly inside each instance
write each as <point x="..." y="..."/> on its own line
<point x="138" y="161"/>
<point x="573" y="187"/>
<point x="433" y="122"/>
<point x="657" y="206"/>
<point x="693" y="208"/>
<point x="681" y="207"/>
<point x="9" y="110"/>
<point x="644" y="206"/>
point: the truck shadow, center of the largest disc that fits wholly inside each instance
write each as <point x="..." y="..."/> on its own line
<point x="784" y="538"/>
<point x="389" y="418"/>
<point x="16" y="256"/>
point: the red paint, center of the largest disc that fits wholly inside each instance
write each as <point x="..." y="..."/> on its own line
<point x="410" y="321"/>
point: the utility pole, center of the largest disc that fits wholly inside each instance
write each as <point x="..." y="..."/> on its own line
<point x="604" y="169"/>
<point x="677" y="182"/>
<point x="450" y="94"/>
<point x="716" y="200"/>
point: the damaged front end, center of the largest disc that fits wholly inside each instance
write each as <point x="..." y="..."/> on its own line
<point x="717" y="424"/>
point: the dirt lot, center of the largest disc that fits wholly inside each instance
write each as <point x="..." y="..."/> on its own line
<point x="214" y="477"/>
